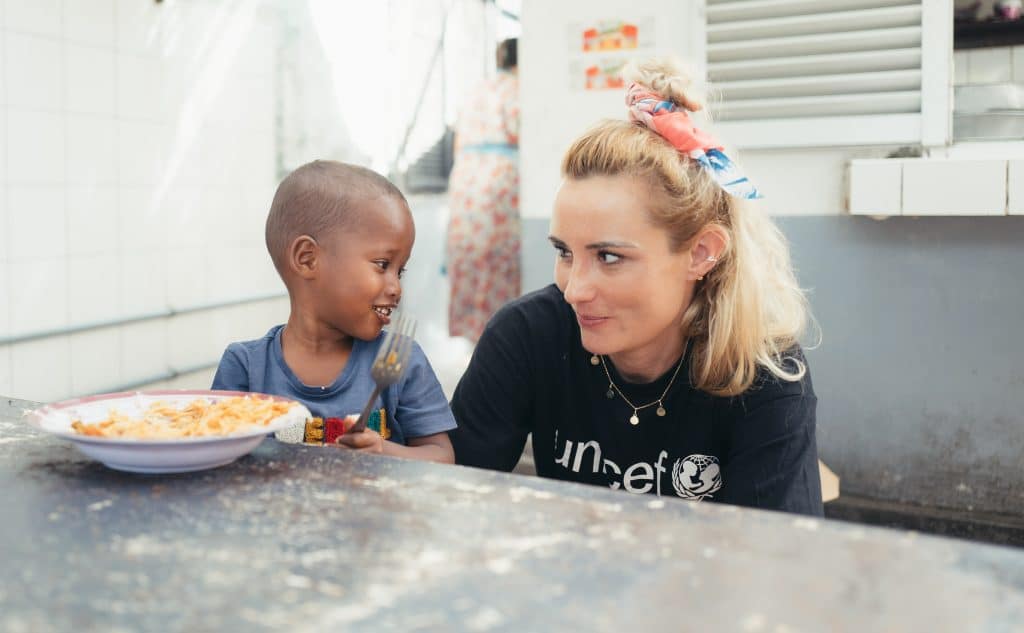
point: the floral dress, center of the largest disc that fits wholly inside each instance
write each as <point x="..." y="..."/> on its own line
<point x="483" y="242"/>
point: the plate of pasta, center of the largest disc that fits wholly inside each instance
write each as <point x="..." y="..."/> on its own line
<point x="168" y="431"/>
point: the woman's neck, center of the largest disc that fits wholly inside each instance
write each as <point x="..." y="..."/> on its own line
<point x="647" y="363"/>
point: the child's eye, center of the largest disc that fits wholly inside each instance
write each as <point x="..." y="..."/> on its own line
<point x="382" y="264"/>
<point x="401" y="272"/>
<point x="608" y="258"/>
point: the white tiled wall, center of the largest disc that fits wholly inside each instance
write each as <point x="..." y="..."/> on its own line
<point x="989" y="65"/>
<point x="142" y="142"/>
<point x="140" y="159"/>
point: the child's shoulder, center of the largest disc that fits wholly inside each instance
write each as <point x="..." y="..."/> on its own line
<point x="255" y="345"/>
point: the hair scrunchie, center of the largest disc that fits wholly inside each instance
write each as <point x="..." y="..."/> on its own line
<point x="674" y="125"/>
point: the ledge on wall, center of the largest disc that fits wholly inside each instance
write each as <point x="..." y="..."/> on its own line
<point x="936" y="186"/>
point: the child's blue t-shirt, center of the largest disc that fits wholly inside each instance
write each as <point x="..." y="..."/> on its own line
<point x="415" y="405"/>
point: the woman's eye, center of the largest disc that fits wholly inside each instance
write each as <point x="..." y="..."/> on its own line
<point x="608" y="258"/>
<point x="562" y="253"/>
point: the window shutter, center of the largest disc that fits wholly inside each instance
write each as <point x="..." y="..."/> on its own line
<point x="802" y="73"/>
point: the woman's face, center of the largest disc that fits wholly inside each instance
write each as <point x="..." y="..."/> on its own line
<point x="615" y="268"/>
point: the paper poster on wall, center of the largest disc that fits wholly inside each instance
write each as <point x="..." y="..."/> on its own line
<point x="597" y="73"/>
<point x="600" y="48"/>
<point x="601" y="36"/>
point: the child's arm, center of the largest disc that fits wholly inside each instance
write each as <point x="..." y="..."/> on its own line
<point x="432" y="448"/>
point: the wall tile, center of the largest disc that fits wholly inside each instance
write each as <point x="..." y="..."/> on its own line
<point x="989" y="65"/>
<point x="875" y="187"/>
<point x="91" y="150"/>
<point x="95" y="362"/>
<point x="89" y="80"/>
<point x="961" y="71"/>
<point x="6" y="386"/>
<point x="1015" y="194"/>
<point x="92" y="220"/>
<point x="138" y="87"/>
<point x="39" y="294"/>
<point x="954" y="187"/>
<point x="138" y="26"/>
<point x="182" y="208"/>
<point x="143" y="350"/>
<point x="5" y="302"/>
<point x="35" y="147"/>
<point x="36" y="221"/>
<point x="1018" y="64"/>
<point x="42" y="17"/>
<point x="34" y="71"/>
<point x="89" y="22"/>
<point x="143" y="283"/>
<point x="140" y="151"/>
<point x="5" y="247"/>
<point x="186" y="277"/>
<point x="94" y="293"/>
<point x="142" y="227"/>
<point x="41" y="370"/>
<point x="190" y="342"/>
<point x="224" y="274"/>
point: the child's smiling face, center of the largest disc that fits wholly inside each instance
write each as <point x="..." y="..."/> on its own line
<point x="358" y="283"/>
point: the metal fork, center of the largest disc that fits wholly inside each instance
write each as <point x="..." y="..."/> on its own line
<point x="389" y="364"/>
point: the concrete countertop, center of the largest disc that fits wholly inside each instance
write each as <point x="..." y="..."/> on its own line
<point x="312" y="538"/>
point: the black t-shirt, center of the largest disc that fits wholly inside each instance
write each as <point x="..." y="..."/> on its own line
<point x="530" y="374"/>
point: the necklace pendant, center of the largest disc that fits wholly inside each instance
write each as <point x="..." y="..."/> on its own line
<point x="634" y="420"/>
<point x="609" y="394"/>
<point x="660" y="411"/>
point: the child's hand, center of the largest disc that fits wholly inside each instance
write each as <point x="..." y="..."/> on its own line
<point x="367" y="441"/>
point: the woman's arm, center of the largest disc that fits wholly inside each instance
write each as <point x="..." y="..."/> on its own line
<point x="493" y="400"/>
<point x="773" y="458"/>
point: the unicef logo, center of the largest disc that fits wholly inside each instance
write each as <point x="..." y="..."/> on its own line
<point x="696" y="476"/>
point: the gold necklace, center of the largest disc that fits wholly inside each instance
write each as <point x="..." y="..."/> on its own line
<point x="614" y="389"/>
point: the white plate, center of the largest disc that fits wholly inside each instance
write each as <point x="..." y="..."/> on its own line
<point x="178" y="455"/>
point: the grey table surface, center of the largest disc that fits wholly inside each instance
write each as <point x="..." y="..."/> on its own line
<point x="309" y="538"/>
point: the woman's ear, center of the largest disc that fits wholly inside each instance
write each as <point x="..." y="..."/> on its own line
<point x="304" y="257"/>
<point x="707" y="248"/>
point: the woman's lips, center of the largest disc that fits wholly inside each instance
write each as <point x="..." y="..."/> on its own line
<point x="587" y="321"/>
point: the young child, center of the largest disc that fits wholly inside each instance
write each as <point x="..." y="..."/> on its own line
<point x="339" y="236"/>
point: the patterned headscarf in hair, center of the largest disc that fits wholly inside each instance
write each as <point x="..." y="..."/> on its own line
<point x="674" y="125"/>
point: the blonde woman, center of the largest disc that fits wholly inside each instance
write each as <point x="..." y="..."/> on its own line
<point x="665" y="358"/>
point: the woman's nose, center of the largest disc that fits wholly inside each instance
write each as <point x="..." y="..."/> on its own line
<point x="578" y="287"/>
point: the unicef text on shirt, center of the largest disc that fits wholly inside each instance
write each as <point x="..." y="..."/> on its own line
<point x="693" y="477"/>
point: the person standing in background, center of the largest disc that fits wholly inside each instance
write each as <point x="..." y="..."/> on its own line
<point x="483" y="241"/>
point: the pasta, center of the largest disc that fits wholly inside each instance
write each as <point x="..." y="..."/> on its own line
<point x="200" y="418"/>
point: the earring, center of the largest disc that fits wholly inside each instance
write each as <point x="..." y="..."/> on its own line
<point x="701" y="278"/>
<point x="711" y="258"/>
<point x="594" y="360"/>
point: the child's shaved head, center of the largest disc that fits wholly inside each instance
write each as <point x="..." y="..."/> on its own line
<point x="318" y="198"/>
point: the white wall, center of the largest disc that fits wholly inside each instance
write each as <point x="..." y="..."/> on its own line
<point x="139" y="160"/>
<point x="143" y="144"/>
<point x="553" y="112"/>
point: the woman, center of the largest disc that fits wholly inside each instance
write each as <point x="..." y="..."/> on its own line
<point x="483" y="235"/>
<point x="664" y="359"/>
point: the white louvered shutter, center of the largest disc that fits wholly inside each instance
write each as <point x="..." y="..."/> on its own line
<point x="802" y="73"/>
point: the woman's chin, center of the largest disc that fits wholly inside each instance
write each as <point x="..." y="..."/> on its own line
<point x="596" y="345"/>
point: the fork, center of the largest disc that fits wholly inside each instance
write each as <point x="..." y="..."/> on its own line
<point x="389" y="364"/>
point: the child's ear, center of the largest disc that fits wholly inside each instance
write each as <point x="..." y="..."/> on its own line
<point x="304" y="256"/>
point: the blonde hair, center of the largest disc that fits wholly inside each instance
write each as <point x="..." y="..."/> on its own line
<point x="749" y="311"/>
